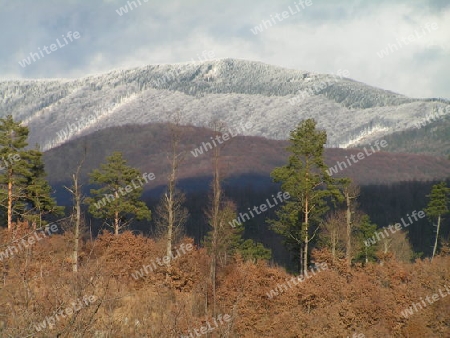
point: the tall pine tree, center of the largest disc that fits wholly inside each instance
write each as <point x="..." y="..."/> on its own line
<point x="118" y="198"/>
<point x="367" y="250"/>
<point x="437" y="208"/>
<point x="24" y="192"/>
<point x="306" y="179"/>
<point x="14" y="168"/>
<point x="38" y="191"/>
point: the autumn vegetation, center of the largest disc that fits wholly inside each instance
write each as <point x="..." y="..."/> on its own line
<point x="334" y="303"/>
<point x="363" y="290"/>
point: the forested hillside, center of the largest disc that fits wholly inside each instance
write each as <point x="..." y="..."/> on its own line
<point x="392" y="184"/>
<point x="235" y="91"/>
<point x="431" y="137"/>
<point x="242" y="155"/>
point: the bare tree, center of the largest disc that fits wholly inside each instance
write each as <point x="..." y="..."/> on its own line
<point x="398" y="244"/>
<point x="177" y="217"/>
<point x="334" y="229"/>
<point x="214" y="213"/>
<point x="75" y="190"/>
<point x="351" y="193"/>
<point x="171" y="215"/>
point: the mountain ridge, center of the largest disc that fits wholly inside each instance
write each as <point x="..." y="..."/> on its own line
<point x="230" y="90"/>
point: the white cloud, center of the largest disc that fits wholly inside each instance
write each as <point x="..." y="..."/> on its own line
<point x="324" y="37"/>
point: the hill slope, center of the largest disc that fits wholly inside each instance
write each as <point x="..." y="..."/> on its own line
<point x="273" y="99"/>
<point x="146" y="147"/>
<point x="432" y="137"/>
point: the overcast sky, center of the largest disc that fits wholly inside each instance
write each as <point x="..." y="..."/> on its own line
<point x="325" y="37"/>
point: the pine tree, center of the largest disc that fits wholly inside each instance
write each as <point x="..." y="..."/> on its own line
<point x="254" y="251"/>
<point x="366" y="230"/>
<point x="437" y="207"/>
<point x="38" y="191"/>
<point x="15" y="170"/>
<point x="117" y="199"/>
<point x="230" y="239"/>
<point x="308" y="183"/>
<point x="224" y="241"/>
<point x="24" y="192"/>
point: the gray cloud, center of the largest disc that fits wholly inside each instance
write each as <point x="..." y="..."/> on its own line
<point x="325" y="37"/>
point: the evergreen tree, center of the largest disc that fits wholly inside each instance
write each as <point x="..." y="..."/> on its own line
<point x="14" y="168"/>
<point x="229" y="239"/>
<point x="24" y="192"/>
<point x="437" y="208"/>
<point x="254" y="251"/>
<point x="38" y="191"/>
<point x="308" y="183"/>
<point x="223" y="241"/>
<point x="366" y="230"/>
<point x="117" y="199"/>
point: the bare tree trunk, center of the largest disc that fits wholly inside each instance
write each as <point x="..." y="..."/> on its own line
<point x="77" y="198"/>
<point x="76" y="238"/>
<point x="300" y="262"/>
<point x="333" y="243"/>
<point x="367" y="259"/>
<point x="437" y="237"/>
<point x="305" y="255"/>
<point x="170" y="224"/>
<point x="215" y="216"/>
<point x="10" y="186"/>
<point x="116" y="223"/>
<point x="175" y="160"/>
<point x="386" y="245"/>
<point x="170" y="198"/>
<point x="351" y="192"/>
<point x="215" y="222"/>
<point x="348" y="247"/>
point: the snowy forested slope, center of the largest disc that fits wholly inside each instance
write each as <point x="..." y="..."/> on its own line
<point x="274" y="99"/>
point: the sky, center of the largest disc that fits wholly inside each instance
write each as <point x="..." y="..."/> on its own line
<point x="322" y="36"/>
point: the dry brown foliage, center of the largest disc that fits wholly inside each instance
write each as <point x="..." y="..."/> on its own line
<point x="336" y="302"/>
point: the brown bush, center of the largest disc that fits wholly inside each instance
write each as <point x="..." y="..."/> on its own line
<point x="336" y="302"/>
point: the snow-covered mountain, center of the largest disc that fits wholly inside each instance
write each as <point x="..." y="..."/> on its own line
<point x="273" y="99"/>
